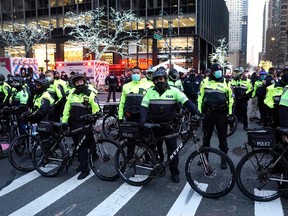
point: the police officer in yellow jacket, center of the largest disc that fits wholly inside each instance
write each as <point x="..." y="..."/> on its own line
<point x="131" y="97"/>
<point x="80" y="102"/>
<point x="159" y="105"/>
<point x="272" y="99"/>
<point x="174" y="79"/>
<point x="215" y="101"/>
<point x="58" y="89"/>
<point x="5" y="92"/>
<point x="43" y="103"/>
<point x="242" y="89"/>
<point x="283" y="107"/>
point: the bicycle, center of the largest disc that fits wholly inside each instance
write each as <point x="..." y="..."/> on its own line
<point x="110" y="124"/>
<point x="231" y="126"/>
<point x="52" y="155"/>
<point x="138" y="161"/>
<point x="20" y="150"/>
<point x="262" y="174"/>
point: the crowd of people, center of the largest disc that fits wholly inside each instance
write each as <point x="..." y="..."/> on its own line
<point x="154" y="96"/>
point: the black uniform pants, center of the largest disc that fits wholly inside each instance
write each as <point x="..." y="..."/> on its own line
<point x="171" y="146"/>
<point x="112" y="89"/>
<point x="261" y="106"/>
<point x="83" y="149"/>
<point x="241" y="111"/>
<point x="218" y="118"/>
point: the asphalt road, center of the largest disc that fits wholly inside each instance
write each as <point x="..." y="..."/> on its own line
<point x="31" y="194"/>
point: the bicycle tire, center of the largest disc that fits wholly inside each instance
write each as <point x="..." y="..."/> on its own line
<point x="215" y="182"/>
<point x="49" y="159"/>
<point x="19" y="153"/>
<point x="230" y="130"/>
<point x="134" y="163"/>
<point x="101" y="159"/>
<point x="110" y="126"/>
<point x="252" y="175"/>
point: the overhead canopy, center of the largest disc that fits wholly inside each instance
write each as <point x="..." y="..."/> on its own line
<point x="166" y="66"/>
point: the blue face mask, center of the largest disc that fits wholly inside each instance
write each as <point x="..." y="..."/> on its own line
<point x="217" y="74"/>
<point x="135" y="77"/>
<point x="49" y="79"/>
<point x="262" y="77"/>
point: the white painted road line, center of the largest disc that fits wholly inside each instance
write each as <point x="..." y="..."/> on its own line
<point x="19" y="182"/>
<point x="273" y="207"/>
<point x="115" y="201"/>
<point x="50" y="197"/>
<point x="187" y="202"/>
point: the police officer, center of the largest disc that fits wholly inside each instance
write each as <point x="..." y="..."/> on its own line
<point x="112" y="82"/>
<point x="216" y="102"/>
<point x="148" y="79"/>
<point x="80" y="102"/>
<point x="174" y="79"/>
<point x="131" y="97"/>
<point x="272" y="99"/>
<point x="191" y="86"/>
<point x="57" y="90"/>
<point x="242" y="89"/>
<point x="19" y="98"/>
<point x="159" y="105"/>
<point x="43" y="102"/>
<point x="283" y="105"/>
<point x="5" y="92"/>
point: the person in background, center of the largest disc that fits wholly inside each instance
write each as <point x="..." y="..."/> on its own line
<point x="112" y="82"/>
<point x="131" y="97"/>
<point x="215" y="101"/>
<point x="5" y="92"/>
<point x="191" y="86"/>
<point x="242" y="89"/>
<point x="64" y="76"/>
<point x="254" y="101"/>
<point x="174" y="79"/>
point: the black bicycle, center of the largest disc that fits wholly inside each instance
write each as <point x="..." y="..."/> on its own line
<point x="110" y="124"/>
<point x="262" y="174"/>
<point x="138" y="161"/>
<point x="52" y="155"/>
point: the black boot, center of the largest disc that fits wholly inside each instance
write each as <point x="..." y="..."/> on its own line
<point x="223" y="164"/>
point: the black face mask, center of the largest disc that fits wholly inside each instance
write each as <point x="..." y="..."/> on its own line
<point x="82" y="89"/>
<point x="38" y="91"/>
<point x="161" y="86"/>
<point x="192" y="76"/>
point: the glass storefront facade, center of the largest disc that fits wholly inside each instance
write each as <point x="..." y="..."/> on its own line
<point x="52" y="12"/>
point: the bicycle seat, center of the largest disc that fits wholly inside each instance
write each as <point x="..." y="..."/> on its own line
<point x="151" y="125"/>
<point x="282" y="130"/>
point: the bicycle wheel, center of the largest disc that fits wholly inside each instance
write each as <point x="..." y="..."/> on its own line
<point x="19" y="152"/>
<point x="231" y="127"/>
<point x="255" y="177"/>
<point x="101" y="159"/>
<point x="134" y="163"/>
<point x="14" y="132"/>
<point x="48" y="157"/>
<point x="205" y="175"/>
<point x="110" y="126"/>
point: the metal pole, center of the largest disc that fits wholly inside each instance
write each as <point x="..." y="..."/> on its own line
<point x="170" y="43"/>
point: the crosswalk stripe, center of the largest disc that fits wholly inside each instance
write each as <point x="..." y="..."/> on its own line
<point x="187" y="202"/>
<point x="17" y="183"/>
<point x="115" y="201"/>
<point x="273" y="207"/>
<point x="50" y="197"/>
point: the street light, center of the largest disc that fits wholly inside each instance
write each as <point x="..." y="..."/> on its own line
<point x="170" y="28"/>
<point x="48" y="35"/>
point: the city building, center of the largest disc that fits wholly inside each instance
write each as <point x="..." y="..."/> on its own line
<point x="191" y="28"/>
<point x="238" y="22"/>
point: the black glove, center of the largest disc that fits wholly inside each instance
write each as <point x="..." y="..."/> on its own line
<point x="120" y="120"/>
<point x="142" y="121"/>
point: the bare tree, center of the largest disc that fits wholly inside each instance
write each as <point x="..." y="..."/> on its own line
<point x="25" y="35"/>
<point x="94" y="31"/>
